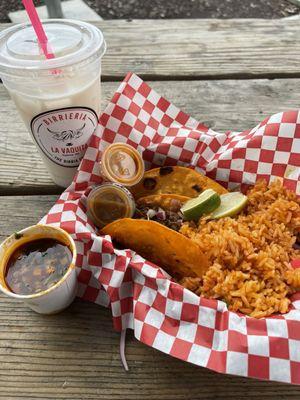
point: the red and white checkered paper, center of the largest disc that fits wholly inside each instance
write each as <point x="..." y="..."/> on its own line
<point x="162" y="313"/>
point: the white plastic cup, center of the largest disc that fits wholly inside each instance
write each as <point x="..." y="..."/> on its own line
<point x="57" y="297"/>
<point x="59" y="98"/>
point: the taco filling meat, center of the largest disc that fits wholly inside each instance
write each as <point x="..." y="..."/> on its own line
<point x="164" y="209"/>
<point x="171" y="219"/>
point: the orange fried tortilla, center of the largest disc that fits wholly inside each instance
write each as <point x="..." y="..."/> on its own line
<point x="177" y="254"/>
<point x="176" y="180"/>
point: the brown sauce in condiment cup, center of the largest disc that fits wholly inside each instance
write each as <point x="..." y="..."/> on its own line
<point x="122" y="163"/>
<point x="109" y="202"/>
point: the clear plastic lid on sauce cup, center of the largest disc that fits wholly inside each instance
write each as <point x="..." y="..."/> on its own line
<point x="122" y="163"/>
<point x="109" y="202"/>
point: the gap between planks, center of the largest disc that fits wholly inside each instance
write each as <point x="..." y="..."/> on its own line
<point x="198" y="77"/>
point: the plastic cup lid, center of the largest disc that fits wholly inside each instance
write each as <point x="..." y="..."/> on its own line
<point x="122" y="163"/>
<point x="109" y="202"/>
<point x="72" y="42"/>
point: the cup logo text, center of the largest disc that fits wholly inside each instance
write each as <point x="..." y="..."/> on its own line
<point x="63" y="134"/>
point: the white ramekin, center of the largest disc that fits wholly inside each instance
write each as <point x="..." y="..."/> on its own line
<point x="58" y="296"/>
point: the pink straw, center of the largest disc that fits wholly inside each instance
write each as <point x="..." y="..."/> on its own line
<point x="38" y="28"/>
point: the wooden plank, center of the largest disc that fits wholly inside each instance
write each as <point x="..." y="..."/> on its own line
<point x="222" y="105"/>
<point x="75" y="355"/>
<point x="199" y="48"/>
<point x="17" y="212"/>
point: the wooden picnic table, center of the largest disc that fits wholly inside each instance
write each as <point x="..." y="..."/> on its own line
<point x="229" y="74"/>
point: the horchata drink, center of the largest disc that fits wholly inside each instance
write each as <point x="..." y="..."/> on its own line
<point x="57" y="98"/>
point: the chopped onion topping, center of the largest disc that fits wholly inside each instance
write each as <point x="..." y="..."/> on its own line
<point x="151" y="213"/>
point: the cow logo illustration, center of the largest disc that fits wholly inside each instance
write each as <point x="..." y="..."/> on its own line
<point x="68" y="134"/>
<point x="63" y="134"/>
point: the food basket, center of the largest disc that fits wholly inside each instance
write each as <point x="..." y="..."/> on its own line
<point x="141" y="296"/>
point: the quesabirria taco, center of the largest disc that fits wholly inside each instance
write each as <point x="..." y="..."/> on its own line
<point x="153" y="232"/>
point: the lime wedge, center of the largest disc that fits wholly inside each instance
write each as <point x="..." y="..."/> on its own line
<point x="205" y="203"/>
<point x="231" y="204"/>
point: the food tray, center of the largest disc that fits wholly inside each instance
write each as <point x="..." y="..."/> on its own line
<point x="142" y="297"/>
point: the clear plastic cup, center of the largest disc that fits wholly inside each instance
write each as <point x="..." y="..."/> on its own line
<point x="59" y="98"/>
<point x="108" y="202"/>
<point x="122" y="163"/>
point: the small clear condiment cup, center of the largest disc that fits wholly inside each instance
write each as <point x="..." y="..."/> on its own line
<point x="57" y="297"/>
<point x="109" y="202"/>
<point x="122" y="163"/>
